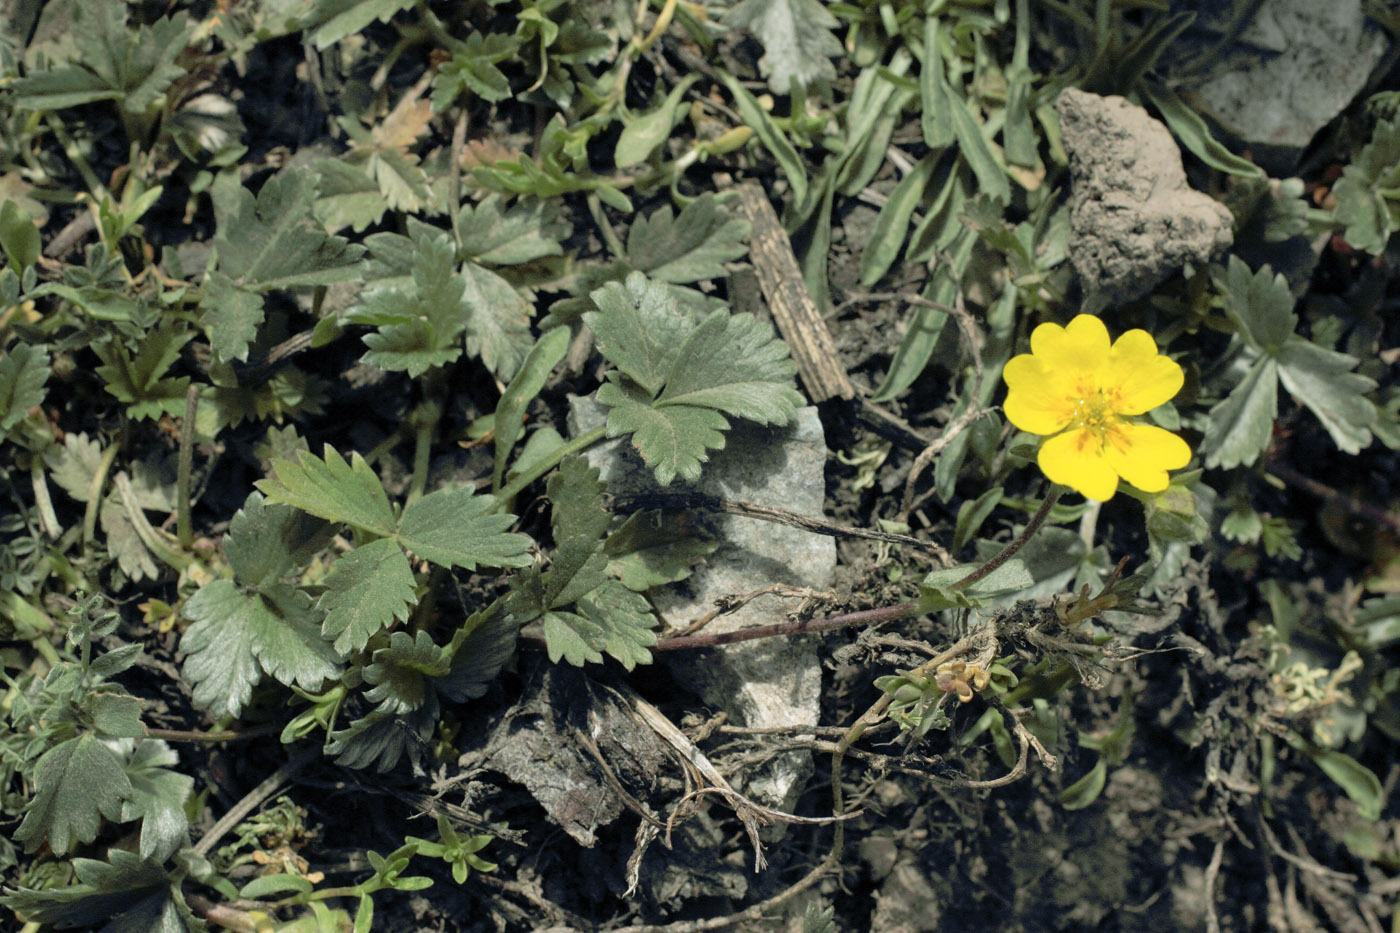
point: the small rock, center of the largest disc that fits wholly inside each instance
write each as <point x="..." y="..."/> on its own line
<point x="1133" y="219"/>
<point x="770" y="682"/>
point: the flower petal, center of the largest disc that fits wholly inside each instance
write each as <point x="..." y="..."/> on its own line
<point x="1143" y="379"/>
<point x="1037" y="400"/>
<point x="1076" y="459"/>
<point x="1143" y="453"/>
<point x="1081" y="347"/>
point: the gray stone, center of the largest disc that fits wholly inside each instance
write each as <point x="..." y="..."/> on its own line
<point x="1307" y="62"/>
<point x="768" y="682"/>
<point x="1134" y="221"/>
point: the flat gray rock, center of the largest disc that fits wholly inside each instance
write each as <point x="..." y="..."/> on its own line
<point x="770" y="682"/>
<point x="1134" y="220"/>
<point x="1306" y="62"/>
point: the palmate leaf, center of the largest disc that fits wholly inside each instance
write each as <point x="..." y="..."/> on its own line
<point x="1366" y="203"/>
<point x="366" y="590"/>
<point x="139" y="381"/>
<point x="401" y="675"/>
<point x="272" y="241"/>
<point x="1318" y="378"/>
<point x="677" y="380"/>
<point x="127" y="894"/>
<point x="382" y="737"/>
<point x="235" y="634"/>
<point x="134" y="67"/>
<point x="428" y="317"/>
<point x="473" y="68"/>
<point x="498" y="326"/>
<point x="77" y="782"/>
<point x="626" y="620"/>
<point x="690" y="247"/>
<point x="798" y="42"/>
<point x="330" y="488"/>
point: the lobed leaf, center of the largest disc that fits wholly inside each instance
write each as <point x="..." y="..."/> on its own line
<point x="77" y="783"/>
<point x="454" y="527"/>
<point x="345" y="493"/>
<point x="367" y="590"/>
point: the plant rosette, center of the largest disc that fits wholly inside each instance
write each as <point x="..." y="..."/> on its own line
<point x="1080" y="392"/>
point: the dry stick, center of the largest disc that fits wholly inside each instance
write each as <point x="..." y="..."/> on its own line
<point x="797" y="316"/>
<point x="726" y="605"/>
<point x="1352" y="504"/>
<point x="254" y="799"/>
<point x="801" y="323"/>
<point x="865" y="616"/>
<point x="696" y="500"/>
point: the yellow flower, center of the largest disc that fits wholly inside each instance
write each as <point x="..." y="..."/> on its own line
<point x="1075" y="386"/>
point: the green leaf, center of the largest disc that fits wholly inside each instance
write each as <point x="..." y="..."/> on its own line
<point x="1260" y="304"/>
<point x="526" y="384"/>
<point x="640" y="328"/>
<point x="158" y="797"/>
<point x="936" y="114"/>
<point x="574" y="638"/>
<point x="473" y="68"/>
<point x="345" y="493"/>
<point x="112" y="712"/>
<point x="1359" y="782"/>
<point x="484" y="651"/>
<point x="626" y="620"/>
<point x="1240" y="425"/>
<point x="381" y="738"/>
<point x="1323" y="380"/>
<point x="429" y="317"/>
<point x="23" y="372"/>
<point x="454" y="527"/>
<point x="797" y="39"/>
<point x="1087" y="789"/>
<point x="498" y="323"/>
<point x="135" y="67"/>
<point x="530" y="229"/>
<point x="266" y="542"/>
<point x="347" y="196"/>
<point x="672" y="441"/>
<point x="126" y="894"/>
<point x="138" y="381"/>
<point x="1368" y="206"/>
<point x="758" y="120"/>
<point x="642" y="134"/>
<point x="234" y="633"/>
<point x="651" y="549"/>
<point x="892" y="225"/>
<point x="19" y="237"/>
<point x="76" y="782"/>
<point x="688" y="248"/>
<point x="231" y="316"/>
<point x="333" y="20"/>
<point x="401" y="674"/>
<point x="1188" y="127"/>
<point x="725" y="365"/>
<point x="367" y="590"/>
<point x="274" y="242"/>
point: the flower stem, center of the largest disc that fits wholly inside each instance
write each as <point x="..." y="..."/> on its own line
<point x="1010" y="550"/>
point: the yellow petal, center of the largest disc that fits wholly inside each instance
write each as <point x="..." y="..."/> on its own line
<point x="1081" y="347"/>
<point x="1076" y="459"/>
<point x="1037" y="400"/>
<point x="1142" y="379"/>
<point x="1143" y="453"/>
